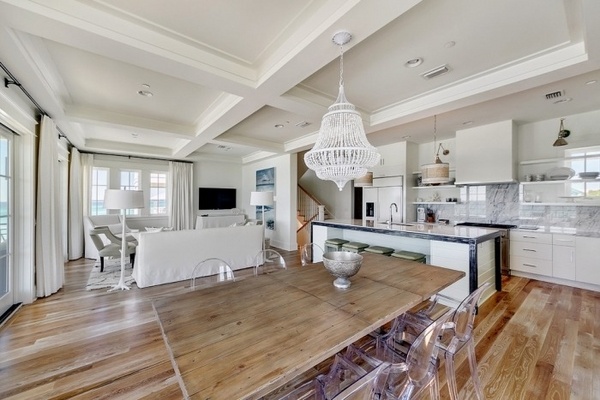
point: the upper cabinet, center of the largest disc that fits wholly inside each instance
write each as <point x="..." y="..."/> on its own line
<point x="394" y="159"/>
<point x="486" y="154"/>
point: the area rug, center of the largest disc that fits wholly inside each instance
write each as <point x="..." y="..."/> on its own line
<point x="111" y="275"/>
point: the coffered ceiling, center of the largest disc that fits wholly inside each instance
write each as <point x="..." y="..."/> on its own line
<point x="241" y="80"/>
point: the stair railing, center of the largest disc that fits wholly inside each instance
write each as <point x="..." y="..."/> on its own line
<point x="308" y="208"/>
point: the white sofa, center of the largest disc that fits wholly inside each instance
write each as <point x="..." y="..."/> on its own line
<point x="164" y="257"/>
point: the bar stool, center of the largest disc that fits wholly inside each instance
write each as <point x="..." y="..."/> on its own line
<point x="386" y="251"/>
<point x="410" y="255"/>
<point x="354" y="247"/>
<point x="334" y="244"/>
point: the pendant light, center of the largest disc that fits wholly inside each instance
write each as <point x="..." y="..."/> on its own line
<point x="437" y="172"/>
<point x="342" y="151"/>
<point x="562" y="134"/>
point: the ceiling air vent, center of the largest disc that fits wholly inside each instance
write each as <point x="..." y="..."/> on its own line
<point x="555" y="95"/>
<point x="435" y="72"/>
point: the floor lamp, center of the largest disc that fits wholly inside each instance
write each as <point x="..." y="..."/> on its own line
<point x="262" y="199"/>
<point x="123" y="200"/>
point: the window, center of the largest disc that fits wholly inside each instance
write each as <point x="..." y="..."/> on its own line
<point x="99" y="185"/>
<point x="584" y="160"/>
<point x="110" y="172"/>
<point x="158" y="193"/>
<point x="130" y="180"/>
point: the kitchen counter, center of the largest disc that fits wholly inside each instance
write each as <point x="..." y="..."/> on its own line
<point x="473" y="250"/>
<point x="448" y="233"/>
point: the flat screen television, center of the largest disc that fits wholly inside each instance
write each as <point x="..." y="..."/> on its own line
<point x="216" y="198"/>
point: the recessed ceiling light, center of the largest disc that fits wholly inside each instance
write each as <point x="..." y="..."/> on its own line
<point x="135" y="135"/>
<point x="449" y="44"/>
<point x="415" y="62"/>
<point x="406" y="137"/>
<point x="278" y="126"/>
<point x="591" y="82"/>
<point x="302" y="124"/>
<point x="565" y="100"/>
<point x="468" y="123"/>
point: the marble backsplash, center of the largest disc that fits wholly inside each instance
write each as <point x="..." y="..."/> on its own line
<point x="500" y="204"/>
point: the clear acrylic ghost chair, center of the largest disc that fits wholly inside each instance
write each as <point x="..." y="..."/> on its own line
<point x="411" y="372"/>
<point x="458" y="334"/>
<point x="309" y="252"/>
<point x="210" y="272"/>
<point x="345" y="380"/>
<point x="267" y="261"/>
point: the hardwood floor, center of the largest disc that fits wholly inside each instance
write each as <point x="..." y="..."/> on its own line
<point x="534" y="341"/>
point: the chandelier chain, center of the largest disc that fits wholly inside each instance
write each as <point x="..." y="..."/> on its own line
<point x="341" y="65"/>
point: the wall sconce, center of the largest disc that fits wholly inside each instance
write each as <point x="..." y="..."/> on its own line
<point x="562" y="134"/>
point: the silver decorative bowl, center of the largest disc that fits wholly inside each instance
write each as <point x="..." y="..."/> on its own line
<point x="342" y="265"/>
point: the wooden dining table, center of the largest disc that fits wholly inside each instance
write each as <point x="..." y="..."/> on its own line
<point x="243" y="339"/>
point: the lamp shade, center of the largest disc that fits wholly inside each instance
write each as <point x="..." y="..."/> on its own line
<point x="123" y="199"/>
<point x="261" y="198"/>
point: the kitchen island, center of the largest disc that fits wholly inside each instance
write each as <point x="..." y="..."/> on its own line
<point x="473" y="250"/>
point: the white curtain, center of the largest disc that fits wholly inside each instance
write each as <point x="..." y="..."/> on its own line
<point x="181" y="206"/>
<point x="75" y="207"/>
<point x="87" y="166"/>
<point x="49" y="266"/>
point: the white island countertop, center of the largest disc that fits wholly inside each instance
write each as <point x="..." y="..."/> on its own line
<point x="466" y="234"/>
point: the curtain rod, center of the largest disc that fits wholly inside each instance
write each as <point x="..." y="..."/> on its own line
<point x="140" y="157"/>
<point x="14" y="81"/>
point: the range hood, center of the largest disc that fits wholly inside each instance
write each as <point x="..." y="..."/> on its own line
<point x="486" y="154"/>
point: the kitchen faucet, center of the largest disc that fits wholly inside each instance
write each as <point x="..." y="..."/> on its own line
<point x="391" y="215"/>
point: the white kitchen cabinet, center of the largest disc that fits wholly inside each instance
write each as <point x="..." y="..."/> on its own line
<point x="587" y="264"/>
<point x="392" y="161"/>
<point x="486" y="154"/>
<point x="563" y="256"/>
<point x="531" y="252"/>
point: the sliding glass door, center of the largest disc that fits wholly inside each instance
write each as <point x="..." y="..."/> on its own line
<point x="6" y="273"/>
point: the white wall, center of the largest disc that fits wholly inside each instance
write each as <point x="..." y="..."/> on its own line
<point x="535" y="139"/>
<point x="284" y="235"/>
<point x="219" y="175"/>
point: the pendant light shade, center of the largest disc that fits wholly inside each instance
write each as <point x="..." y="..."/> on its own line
<point x="437" y="172"/>
<point x="342" y="151"/>
<point x="562" y="134"/>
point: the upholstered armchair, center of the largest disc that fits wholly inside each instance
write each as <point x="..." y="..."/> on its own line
<point x="109" y="245"/>
<point x="112" y="221"/>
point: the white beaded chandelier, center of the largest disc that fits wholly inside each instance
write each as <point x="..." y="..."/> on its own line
<point x="342" y="151"/>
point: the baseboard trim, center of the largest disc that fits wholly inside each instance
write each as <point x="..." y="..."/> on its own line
<point x="9" y="313"/>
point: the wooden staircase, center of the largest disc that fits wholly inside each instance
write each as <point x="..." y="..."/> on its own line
<point x="308" y="211"/>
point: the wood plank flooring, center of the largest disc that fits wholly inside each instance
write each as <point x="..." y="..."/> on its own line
<point x="535" y="340"/>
